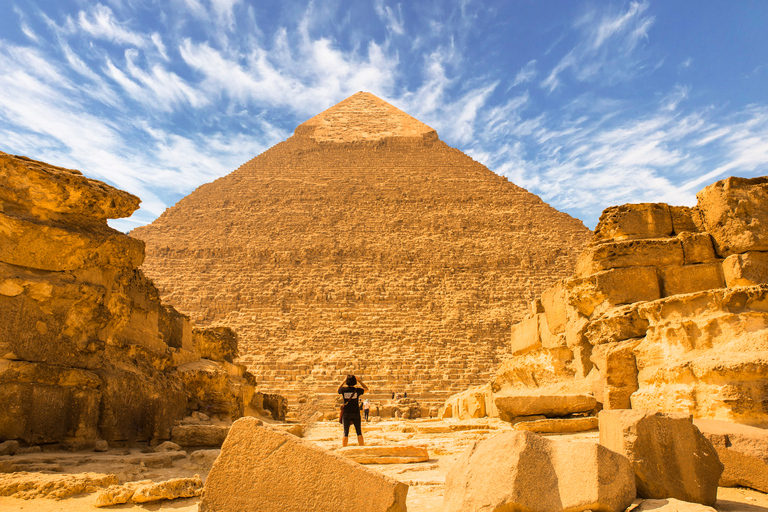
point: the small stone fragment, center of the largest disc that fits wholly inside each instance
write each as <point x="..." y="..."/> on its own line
<point x="9" y="447"/>
<point x="168" y="446"/>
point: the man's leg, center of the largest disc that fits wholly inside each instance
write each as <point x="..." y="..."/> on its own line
<point x="360" y="441"/>
<point x="345" y="441"/>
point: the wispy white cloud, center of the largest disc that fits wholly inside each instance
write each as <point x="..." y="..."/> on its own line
<point x="607" y="47"/>
<point x="24" y="25"/>
<point x="392" y="20"/>
<point x="100" y="23"/>
<point x="157" y="40"/>
<point x="224" y="11"/>
<point x="526" y="74"/>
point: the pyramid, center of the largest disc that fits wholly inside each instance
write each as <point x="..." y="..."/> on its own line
<point x="362" y="244"/>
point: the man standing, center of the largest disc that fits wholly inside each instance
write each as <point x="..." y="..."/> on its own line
<point x="350" y="393"/>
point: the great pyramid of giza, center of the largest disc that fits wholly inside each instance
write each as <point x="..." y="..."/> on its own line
<point x="362" y="244"/>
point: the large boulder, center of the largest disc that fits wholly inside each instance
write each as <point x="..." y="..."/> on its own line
<point x="613" y="287"/>
<point x="747" y="269"/>
<point x="631" y="221"/>
<point x="475" y="402"/>
<point x="268" y="470"/>
<point x="735" y="212"/>
<point x="524" y="471"/>
<point x="199" y="435"/>
<point x="742" y="449"/>
<point x="630" y="253"/>
<point x="670" y="457"/>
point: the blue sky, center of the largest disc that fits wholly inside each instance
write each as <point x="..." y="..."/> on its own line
<point x="585" y="103"/>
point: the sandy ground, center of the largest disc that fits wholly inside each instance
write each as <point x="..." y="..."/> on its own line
<point x="426" y="479"/>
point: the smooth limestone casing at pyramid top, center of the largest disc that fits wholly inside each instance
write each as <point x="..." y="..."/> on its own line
<point x="362" y="244"/>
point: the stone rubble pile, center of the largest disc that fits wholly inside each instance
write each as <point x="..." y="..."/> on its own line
<point x="88" y="351"/>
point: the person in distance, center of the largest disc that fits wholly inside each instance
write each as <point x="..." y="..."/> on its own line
<point x="350" y="409"/>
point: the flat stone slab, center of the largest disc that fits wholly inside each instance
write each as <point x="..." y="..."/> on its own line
<point x="557" y="425"/>
<point x="385" y="454"/>
<point x="548" y="405"/>
<point x="444" y="429"/>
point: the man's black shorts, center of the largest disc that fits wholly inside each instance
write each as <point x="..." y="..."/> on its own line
<point x="352" y="419"/>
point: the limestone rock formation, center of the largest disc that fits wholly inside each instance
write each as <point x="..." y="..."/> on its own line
<point x="264" y="469"/>
<point x="362" y="234"/>
<point x="523" y="471"/>
<point x="670" y="457"/>
<point x="735" y="212"/>
<point x="88" y="352"/>
<point x="148" y="491"/>
<point x="742" y="449"/>
<point x="667" y="311"/>
<point x="20" y="484"/>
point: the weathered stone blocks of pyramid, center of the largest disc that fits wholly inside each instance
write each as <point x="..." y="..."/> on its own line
<point x="362" y="244"/>
<point x="87" y="348"/>
<point x="667" y="311"/>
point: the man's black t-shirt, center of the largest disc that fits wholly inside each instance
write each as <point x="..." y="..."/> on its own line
<point x="350" y="396"/>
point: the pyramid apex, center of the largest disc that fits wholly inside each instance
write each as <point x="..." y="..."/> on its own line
<point x="363" y="117"/>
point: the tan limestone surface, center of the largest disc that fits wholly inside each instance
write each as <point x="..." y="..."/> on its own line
<point x="524" y="471"/>
<point x="263" y="469"/>
<point x="88" y="351"/>
<point x="362" y="244"/>
<point x="742" y="449"/>
<point x="670" y="456"/>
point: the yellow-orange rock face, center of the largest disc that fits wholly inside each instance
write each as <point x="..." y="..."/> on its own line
<point x="362" y="244"/>
<point x="87" y="349"/>
<point x="657" y="317"/>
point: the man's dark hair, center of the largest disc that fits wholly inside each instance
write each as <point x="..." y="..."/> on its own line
<point x="351" y="380"/>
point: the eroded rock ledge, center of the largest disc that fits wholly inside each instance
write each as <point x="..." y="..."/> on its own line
<point x="667" y="311"/>
<point x="88" y="351"/>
